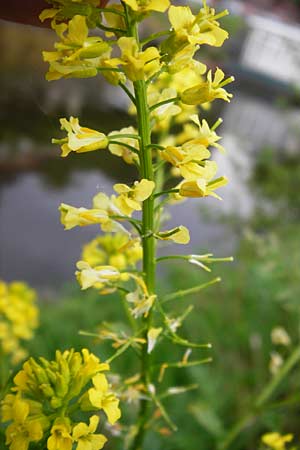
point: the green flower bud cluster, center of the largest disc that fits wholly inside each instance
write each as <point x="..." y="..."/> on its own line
<point x="48" y="395"/>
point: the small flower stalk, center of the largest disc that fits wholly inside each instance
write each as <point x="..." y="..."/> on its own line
<point x="57" y="404"/>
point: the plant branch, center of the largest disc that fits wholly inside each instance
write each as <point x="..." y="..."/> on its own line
<point x="128" y="92"/>
<point x="124" y="144"/>
<point x="164" y="102"/>
<point x="184" y="292"/>
<point x="154" y="36"/>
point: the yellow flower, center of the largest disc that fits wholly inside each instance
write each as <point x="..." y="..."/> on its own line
<point x="140" y="298"/>
<point x="141" y="301"/>
<point x="104" y="207"/>
<point x="18" y="318"/>
<point x="100" y="397"/>
<point x="143" y="6"/>
<point x="86" y="437"/>
<point x="116" y="250"/>
<point x="196" y="30"/>
<point x="152" y="336"/>
<point x="186" y="74"/>
<point x="23" y="430"/>
<point x="179" y="235"/>
<point x="72" y="217"/>
<point x="280" y="336"/>
<point x="130" y="199"/>
<point x="201" y="188"/>
<point x="277" y="441"/>
<point x="100" y="275"/>
<point x="191" y="160"/>
<point x="80" y="139"/>
<point x="114" y="20"/>
<point x="138" y="64"/>
<point x="183" y="59"/>
<point x="77" y="55"/>
<point x="208" y="90"/>
<point x="121" y="150"/>
<point x="205" y="135"/>
<point x="60" y="438"/>
<point x="192" y="151"/>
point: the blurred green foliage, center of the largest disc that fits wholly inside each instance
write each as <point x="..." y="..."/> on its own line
<point x="277" y="179"/>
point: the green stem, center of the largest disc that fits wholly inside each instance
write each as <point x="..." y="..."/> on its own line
<point x="111" y="10"/>
<point x="124" y="144"/>
<point x="154" y="36"/>
<point x="127" y="91"/>
<point x="169" y="191"/>
<point x="148" y="241"/>
<point x="110" y="29"/>
<point x="159" y="147"/>
<point x="190" y="291"/>
<point x="164" y="102"/>
<point x="125" y="135"/>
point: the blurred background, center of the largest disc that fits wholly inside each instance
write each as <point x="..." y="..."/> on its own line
<point x="257" y="222"/>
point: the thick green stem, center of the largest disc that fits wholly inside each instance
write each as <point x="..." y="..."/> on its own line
<point x="146" y="171"/>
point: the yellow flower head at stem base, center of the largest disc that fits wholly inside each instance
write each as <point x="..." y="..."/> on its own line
<point x="48" y="395"/>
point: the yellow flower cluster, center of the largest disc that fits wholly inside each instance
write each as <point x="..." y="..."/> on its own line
<point x="208" y="90"/>
<point x="76" y="55"/>
<point x="196" y="30"/>
<point x="18" y="318"/>
<point x="46" y="397"/>
<point x="117" y="250"/>
<point x="136" y="64"/>
<point x="191" y="159"/>
<point x="106" y="259"/>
